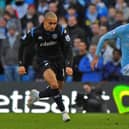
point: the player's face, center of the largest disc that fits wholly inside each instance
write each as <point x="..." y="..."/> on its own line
<point x="87" y="88"/>
<point x="50" y="24"/>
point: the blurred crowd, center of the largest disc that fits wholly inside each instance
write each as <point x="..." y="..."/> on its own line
<point x="87" y="21"/>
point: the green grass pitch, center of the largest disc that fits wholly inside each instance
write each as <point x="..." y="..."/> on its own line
<point x="54" y="121"/>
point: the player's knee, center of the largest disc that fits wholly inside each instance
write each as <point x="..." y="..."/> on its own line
<point x="54" y="85"/>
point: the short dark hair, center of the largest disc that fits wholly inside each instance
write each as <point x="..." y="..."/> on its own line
<point x="50" y="14"/>
<point x="117" y="50"/>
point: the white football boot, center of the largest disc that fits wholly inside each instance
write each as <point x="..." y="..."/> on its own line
<point x="65" y="117"/>
<point x="33" y="97"/>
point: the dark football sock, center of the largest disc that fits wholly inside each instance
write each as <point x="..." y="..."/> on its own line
<point x="59" y="102"/>
<point x="55" y="93"/>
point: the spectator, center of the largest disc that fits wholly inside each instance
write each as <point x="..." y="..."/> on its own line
<point x="74" y="29"/>
<point x="103" y="20"/>
<point x="21" y="7"/>
<point x="91" y="15"/>
<point x="67" y="3"/>
<point x="3" y="30"/>
<point x="77" y="75"/>
<point x="122" y="6"/>
<point x="85" y="67"/>
<point x="111" y="16"/>
<point x="112" y="69"/>
<point x="71" y="11"/>
<point x="53" y="7"/>
<point x="42" y="6"/>
<point x="13" y="13"/>
<point x="79" y="50"/>
<point x="30" y="16"/>
<point x="93" y="101"/>
<point x="103" y="30"/>
<point x="101" y="8"/>
<point x="119" y="19"/>
<point x="11" y="19"/>
<point x="81" y="6"/>
<point x="40" y="18"/>
<point x="9" y="56"/>
<point x="95" y="33"/>
<point x="76" y="44"/>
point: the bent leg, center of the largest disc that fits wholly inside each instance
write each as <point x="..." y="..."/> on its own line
<point x="50" y="77"/>
<point x="53" y="90"/>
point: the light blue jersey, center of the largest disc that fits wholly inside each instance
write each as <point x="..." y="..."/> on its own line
<point x="121" y="33"/>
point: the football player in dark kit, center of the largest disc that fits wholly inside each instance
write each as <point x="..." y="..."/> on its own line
<point x="54" y="53"/>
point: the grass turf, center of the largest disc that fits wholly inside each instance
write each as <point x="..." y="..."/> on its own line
<point x="53" y="121"/>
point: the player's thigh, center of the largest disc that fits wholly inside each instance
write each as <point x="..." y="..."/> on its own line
<point x="50" y="76"/>
<point x="60" y="84"/>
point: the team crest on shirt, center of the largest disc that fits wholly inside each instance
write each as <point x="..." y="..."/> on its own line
<point x="54" y="36"/>
<point x="24" y="36"/>
<point x="67" y="38"/>
<point x="113" y="32"/>
<point x="40" y="37"/>
<point x="65" y="31"/>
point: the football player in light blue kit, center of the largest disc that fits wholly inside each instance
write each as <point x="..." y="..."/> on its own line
<point x="121" y="33"/>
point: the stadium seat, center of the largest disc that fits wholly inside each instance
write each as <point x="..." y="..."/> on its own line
<point x="2" y="77"/>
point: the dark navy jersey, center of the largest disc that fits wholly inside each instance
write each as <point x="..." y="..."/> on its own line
<point x="54" y="45"/>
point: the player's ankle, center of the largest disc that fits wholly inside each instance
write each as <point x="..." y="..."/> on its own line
<point x="64" y="112"/>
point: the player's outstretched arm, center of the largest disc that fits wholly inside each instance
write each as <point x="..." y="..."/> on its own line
<point x="67" y="47"/>
<point x="26" y="40"/>
<point x="67" y="51"/>
<point x="114" y="34"/>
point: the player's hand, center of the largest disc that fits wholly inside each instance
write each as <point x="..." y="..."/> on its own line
<point x="21" y="70"/>
<point x="94" y="62"/>
<point x="69" y="71"/>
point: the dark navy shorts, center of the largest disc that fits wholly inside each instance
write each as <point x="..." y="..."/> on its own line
<point x="56" y="66"/>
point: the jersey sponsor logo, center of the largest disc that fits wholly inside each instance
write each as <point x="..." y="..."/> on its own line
<point x="16" y="102"/>
<point x="67" y="38"/>
<point x="11" y="103"/>
<point x="47" y="44"/>
<point x="46" y="64"/>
